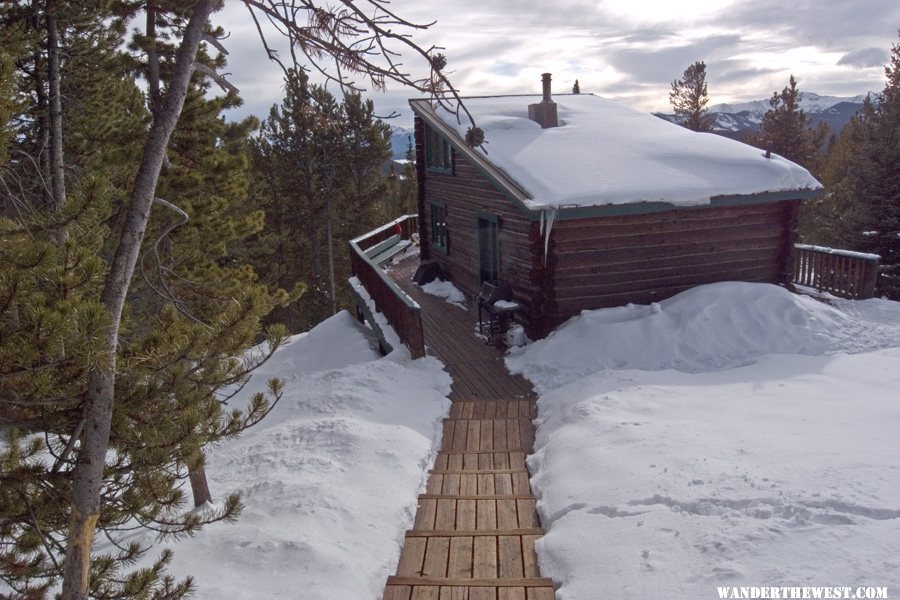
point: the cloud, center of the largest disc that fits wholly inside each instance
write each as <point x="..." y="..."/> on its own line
<point x="623" y="49"/>
<point x="866" y="57"/>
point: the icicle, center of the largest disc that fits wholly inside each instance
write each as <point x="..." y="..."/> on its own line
<point x="550" y="217"/>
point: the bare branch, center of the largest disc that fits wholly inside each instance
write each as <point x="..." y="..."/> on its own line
<point x="226" y="85"/>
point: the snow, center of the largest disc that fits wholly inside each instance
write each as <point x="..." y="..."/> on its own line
<point x="733" y="435"/>
<point x="329" y="479"/>
<point x="447" y="291"/>
<point x="847" y="253"/>
<point x="606" y="153"/>
<point x="709" y="327"/>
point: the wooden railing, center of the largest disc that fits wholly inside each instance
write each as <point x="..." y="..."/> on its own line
<point x="839" y="272"/>
<point x="401" y="311"/>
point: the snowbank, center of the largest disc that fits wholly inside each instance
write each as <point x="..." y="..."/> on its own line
<point x="706" y="328"/>
<point x="657" y="483"/>
<point x="607" y="153"/>
<point x="329" y="479"/>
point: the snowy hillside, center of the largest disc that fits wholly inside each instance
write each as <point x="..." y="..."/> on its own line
<point x="329" y="479"/>
<point x="724" y="437"/>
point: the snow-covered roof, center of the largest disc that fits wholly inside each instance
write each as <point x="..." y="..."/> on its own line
<point x="605" y="153"/>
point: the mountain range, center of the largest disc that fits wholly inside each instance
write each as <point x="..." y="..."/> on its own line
<point x="736" y="120"/>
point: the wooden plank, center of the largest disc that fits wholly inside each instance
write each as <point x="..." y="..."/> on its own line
<point x="485" y="557"/>
<point x="487" y="436"/>
<point x="486" y="485"/>
<point x="425" y="516"/>
<point x="460" y="561"/>
<point x="473" y="436"/>
<point x="529" y="556"/>
<point x="477" y="471"/>
<point x="540" y="593"/>
<point x="503" y="484"/>
<point x="446" y="513"/>
<point x="515" y="593"/>
<point x="486" y="515"/>
<point x="527" y="582"/>
<point x="513" y="434"/>
<point x="520" y="482"/>
<point x="412" y="556"/>
<point x="482" y="593"/>
<point x="422" y="592"/>
<point x="509" y="550"/>
<point x="507" y="516"/>
<point x="435" y="484"/>
<point x="454" y="593"/>
<point x="397" y="592"/>
<point x="441" y="497"/>
<point x="413" y="533"/>
<point x="527" y="510"/>
<point x="468" y="484"/>
<point x="500" y="437"/>
<point x="465" y="515"/>
<point x="437" y="553"/>
<point x="459" y="436"/>
<point x="451" y="484"/>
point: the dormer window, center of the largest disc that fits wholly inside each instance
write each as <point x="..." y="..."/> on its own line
<point x="438" y="153"/>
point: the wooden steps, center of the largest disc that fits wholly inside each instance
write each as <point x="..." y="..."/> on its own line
<point x="477" y="523"/>
<point x="475" y="529"/>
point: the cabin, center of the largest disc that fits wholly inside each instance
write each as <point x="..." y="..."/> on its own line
<point x="577" y="202"/>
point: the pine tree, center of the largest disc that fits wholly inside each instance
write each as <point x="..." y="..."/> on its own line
<point x="787" y="131"/>
<point x="576" y="89"/>
<point x="689" y="99"/>
<point x="872" y="180"/>
<point x="319" y="166"/>
<point x="122" y="385"/>
<point x="182" y="334"/>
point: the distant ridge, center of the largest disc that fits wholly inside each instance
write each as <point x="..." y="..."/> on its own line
<point x="736" y="120"/>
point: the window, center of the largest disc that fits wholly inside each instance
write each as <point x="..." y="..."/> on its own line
<point x="439" y="227"/>
<point x="438" y="153"/>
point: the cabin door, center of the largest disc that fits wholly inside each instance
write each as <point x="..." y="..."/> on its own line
<point x="488" y="249"/>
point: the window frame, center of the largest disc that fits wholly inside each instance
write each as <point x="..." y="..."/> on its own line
<point x="438" y="153"/>
<point x="441" y="242"/>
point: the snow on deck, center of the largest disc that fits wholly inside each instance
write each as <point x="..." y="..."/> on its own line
<point x="606" y="153"/>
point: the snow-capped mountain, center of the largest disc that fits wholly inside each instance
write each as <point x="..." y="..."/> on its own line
<point x="401" y="137"/>
<point x="736" y="120"/>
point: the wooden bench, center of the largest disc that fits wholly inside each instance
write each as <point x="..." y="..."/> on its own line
<point x="385" y="250"/>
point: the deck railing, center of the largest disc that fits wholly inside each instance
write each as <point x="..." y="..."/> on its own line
<point x="401" y="311"/>
<point x="839" y="272"/>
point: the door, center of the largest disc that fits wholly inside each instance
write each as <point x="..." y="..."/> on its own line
<point x="488" y="248"/>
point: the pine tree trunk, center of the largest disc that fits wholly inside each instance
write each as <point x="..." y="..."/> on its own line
<point x="57" y="171"/>
<point x="199" y="485"/>
<point x="98" y="406"/>
<point x="329" y="235"/>
<point x="152" y="61"/>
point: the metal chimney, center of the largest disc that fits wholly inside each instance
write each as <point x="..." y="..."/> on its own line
<point x="544" y="112"/>
<point x="545" y="79"/>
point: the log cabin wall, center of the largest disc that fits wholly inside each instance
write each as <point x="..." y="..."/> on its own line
<point x="466" y="193"/>
<point x="611" y="261"/>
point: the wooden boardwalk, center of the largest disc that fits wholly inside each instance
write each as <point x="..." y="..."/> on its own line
<point x="476" y="525"/>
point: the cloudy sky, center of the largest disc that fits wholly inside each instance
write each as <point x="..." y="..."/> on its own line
<point x="630" y="50"/>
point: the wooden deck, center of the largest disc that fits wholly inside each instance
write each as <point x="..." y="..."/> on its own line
<point x="477" y="369"/>
<point x="476" y="525"/>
